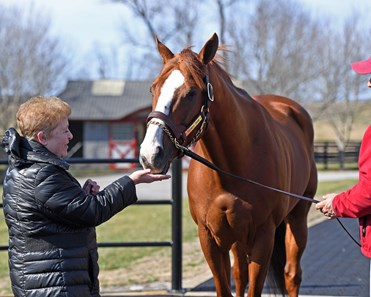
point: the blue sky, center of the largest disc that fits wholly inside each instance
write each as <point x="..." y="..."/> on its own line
<point x="84" y="23"/>
<point x="81" y="23"/>
<point x="337" y="8"/>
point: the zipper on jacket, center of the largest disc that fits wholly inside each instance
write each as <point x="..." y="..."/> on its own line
<point x="364" y="226"/>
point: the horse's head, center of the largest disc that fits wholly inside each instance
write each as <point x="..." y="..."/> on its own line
<point x="180" y="98"/>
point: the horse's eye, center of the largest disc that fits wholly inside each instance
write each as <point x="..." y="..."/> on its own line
<point x="191" y="94"/>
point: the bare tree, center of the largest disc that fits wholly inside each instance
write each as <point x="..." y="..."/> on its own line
<point x="178" y="23"/>
<point x="339" y="84"/>
<point x="222" y="17"/>
<point x="107" y="62"/>
<point x="222" y="11"/>
<point x="281" y="49"/>
<point x="150" y="15"/>
<point x="275" y="48"/>
<point x="31" y="62"/>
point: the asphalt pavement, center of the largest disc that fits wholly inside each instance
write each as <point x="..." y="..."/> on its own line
<point x="332" y="264"/>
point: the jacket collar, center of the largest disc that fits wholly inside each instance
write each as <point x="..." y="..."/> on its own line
<point x="23" y="151"/>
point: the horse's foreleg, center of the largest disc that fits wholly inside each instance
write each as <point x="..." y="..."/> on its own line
<point x="218" y="261"/>
<point x="240" y="266"/>
<point x="259" y="261"/>
<point x="296" y="240"/>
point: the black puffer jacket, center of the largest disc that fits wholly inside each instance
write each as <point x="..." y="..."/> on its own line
<point x="51" y="222"/>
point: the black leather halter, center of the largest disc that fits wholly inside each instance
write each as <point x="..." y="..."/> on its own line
<point x="179" y="134"/>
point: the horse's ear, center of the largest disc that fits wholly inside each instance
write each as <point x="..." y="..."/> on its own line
<point x="165" y="53"/>
<point x="208" y="52"/>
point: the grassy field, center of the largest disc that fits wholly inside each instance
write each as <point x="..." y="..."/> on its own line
<point x="141" y="223"/>
<point x="324" y="131"/>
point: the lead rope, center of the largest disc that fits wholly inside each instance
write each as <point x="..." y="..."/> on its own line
<point x="212" y="166"/>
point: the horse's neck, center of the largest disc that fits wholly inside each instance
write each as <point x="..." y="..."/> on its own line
<point x="233" y="109"/>
<point x="233" y="116"/>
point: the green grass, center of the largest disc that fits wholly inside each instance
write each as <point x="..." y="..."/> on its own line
<point x="334" y="187"/>
<point x="336" y="166"/>
<point x="139" y="223"/>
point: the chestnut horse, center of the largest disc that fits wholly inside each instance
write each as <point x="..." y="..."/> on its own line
<point x="268" y="139"/>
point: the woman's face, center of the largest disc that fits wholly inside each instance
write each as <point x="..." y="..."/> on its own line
<point x="57" y="141"/>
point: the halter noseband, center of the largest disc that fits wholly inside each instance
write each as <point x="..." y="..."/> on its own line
<point x="179" y="134"/>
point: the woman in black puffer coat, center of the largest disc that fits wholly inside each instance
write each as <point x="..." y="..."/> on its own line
<point x="51" y="219"/>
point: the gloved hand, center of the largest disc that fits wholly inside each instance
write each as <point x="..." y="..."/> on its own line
<point x="91" y="187"/>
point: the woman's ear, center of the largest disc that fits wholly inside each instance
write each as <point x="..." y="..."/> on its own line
<point x="41" y="138"/>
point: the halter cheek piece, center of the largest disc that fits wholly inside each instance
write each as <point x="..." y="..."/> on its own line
<point x="179" y="134"/>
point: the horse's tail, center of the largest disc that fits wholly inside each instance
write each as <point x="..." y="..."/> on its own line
<point x="276" y="279"/>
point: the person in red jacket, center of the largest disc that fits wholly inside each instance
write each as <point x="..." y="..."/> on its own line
<point x="356" y="201"/>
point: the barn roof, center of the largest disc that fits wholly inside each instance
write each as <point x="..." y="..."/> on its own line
<point x="109" y="100"/>
<point x="106" y="99"/>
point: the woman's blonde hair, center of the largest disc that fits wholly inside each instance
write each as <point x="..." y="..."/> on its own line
<point x="41" y="114"/>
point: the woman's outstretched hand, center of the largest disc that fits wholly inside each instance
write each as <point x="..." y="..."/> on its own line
<point x="145" y="176"/>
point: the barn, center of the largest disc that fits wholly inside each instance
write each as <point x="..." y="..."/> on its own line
<point x="108" y="117"/>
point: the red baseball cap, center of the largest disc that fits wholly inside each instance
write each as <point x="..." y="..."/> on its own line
<point x="362" y="67"/>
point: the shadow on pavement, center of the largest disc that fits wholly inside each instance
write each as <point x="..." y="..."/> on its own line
<point x="332" y="263"/>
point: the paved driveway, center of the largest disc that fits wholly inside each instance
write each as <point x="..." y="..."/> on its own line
<point x="332" y="263"/>
<point x="162" y="190"/>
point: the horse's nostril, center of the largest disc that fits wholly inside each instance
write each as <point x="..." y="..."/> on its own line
<point x="153" y="159"/>
<point x="159" y="153"/>
<point x="143" y="161"/>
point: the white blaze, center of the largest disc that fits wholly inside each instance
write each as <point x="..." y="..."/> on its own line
<point x="153" y="137"/>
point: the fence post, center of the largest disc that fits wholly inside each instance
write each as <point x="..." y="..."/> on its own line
<point x="341" y="159"/>
<point x="176" y="267"/>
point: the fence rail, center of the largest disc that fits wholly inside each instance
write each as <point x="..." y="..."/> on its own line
<point x="327" y="152"/>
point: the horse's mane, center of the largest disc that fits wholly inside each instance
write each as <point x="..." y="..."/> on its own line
<point x="188" y="63"/>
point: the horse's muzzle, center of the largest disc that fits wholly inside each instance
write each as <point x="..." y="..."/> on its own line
<point x="156" y="162"/>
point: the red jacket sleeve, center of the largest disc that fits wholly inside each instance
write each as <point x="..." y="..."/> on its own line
<point x="356" y="202"/>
